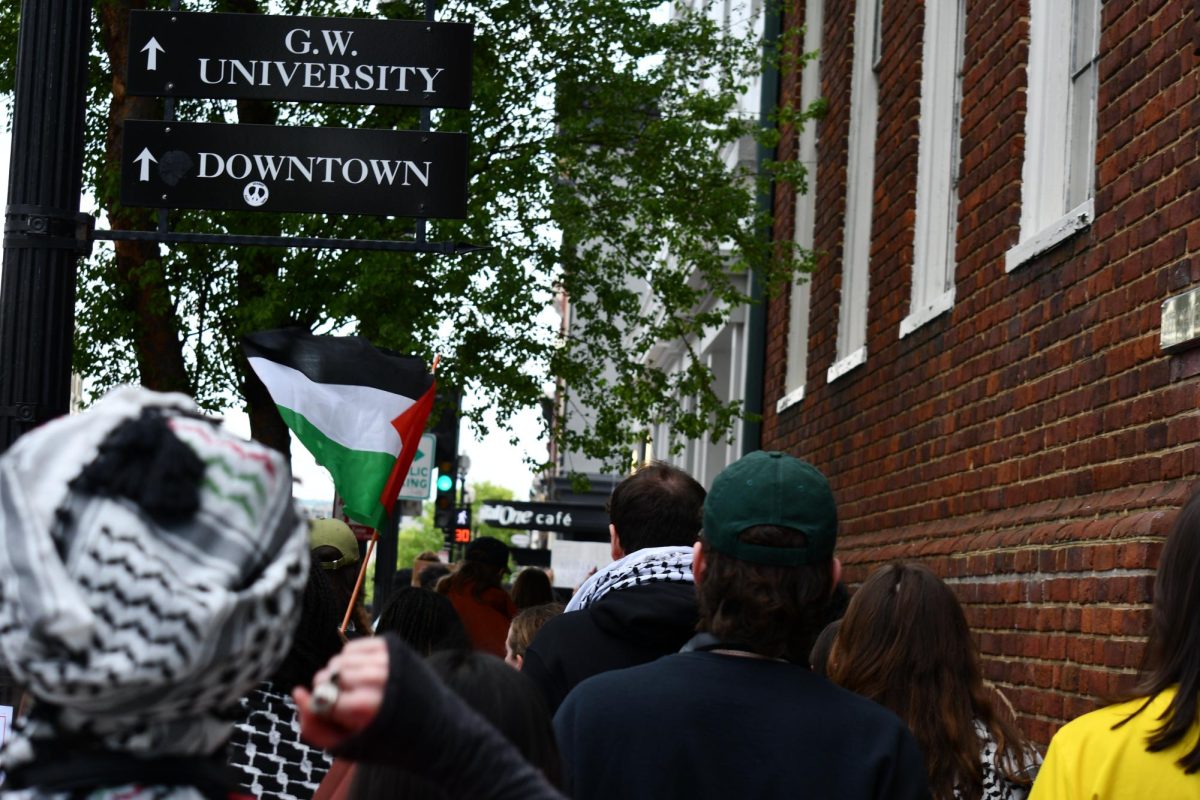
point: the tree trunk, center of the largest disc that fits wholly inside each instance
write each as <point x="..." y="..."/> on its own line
<point x="139" y="271"/>
<point x="253" y="273"/>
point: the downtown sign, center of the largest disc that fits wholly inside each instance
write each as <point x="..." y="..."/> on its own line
<point x="238" y="167"/>
<point x="271" y="168"/>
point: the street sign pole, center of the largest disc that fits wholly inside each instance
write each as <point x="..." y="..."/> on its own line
<point x="385" y="567"/>
<point x="422" y="224"/>
<point x="44" y="234"/>
<point x="386" y="553"/>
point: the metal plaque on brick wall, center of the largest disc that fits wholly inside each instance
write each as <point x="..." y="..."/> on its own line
<point x="308" y="59"/>
<point x="276" y="168"/>
<point x="1181" y="321"/>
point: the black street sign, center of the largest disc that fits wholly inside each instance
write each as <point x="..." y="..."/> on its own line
<point x="310" y="59"/>
<point x="275" y="168"/>
<point x="543" y="517"/>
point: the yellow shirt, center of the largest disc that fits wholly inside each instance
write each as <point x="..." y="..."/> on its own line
<point x="1087" y="760"/>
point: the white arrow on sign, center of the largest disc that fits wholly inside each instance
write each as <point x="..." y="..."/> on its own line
<point x="145" y="158"/>
<point x="152" y="49"/>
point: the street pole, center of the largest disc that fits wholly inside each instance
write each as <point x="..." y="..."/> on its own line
<point x="385" y="560"/>
<point x="389" y="540"/>
<point x="44" y="233"/>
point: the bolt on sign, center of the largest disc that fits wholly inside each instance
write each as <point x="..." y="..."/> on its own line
<point x="273" y="168"/>
<point x="310" y="59"/>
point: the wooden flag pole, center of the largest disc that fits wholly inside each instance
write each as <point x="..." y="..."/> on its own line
<point x="362" y="571"/>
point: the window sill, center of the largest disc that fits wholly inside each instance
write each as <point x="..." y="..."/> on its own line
<point x="840" y="368"/>
<point x="790" y="399"/>
<point x="1078" y="219"/>
<point x="916" y="319"/>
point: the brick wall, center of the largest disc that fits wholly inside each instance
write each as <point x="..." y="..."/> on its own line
<point x="1032" y="444"/>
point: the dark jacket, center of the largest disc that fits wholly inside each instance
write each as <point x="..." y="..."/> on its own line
<point x="425" y="728"/>
<point x="624" y="628"/>
<point x="704" y="725"/>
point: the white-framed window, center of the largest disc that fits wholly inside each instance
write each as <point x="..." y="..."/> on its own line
<point x="935" y="227"/>
<point x="860" y="185"/>
<point x="1058" y="178"/>
<point x="806" y="210"/>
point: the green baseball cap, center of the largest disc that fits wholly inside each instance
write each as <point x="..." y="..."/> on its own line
<point x="770" y="488"/>
<point x="336" y="534"/>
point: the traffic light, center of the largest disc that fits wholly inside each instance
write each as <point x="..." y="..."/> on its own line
<point x="445" y="458"/>
<point x="444" y="499"/>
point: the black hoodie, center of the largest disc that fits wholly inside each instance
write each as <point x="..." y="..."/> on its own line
<point x="624" y="628"/>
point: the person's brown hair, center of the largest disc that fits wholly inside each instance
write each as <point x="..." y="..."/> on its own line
<point x="905" y="644"/>
<point x="658" y="506"/>
<point x="818" y="657"/>
<point x="532" y="588"/>
<point x="526" y="624"/>
<point x="774" y="611"/>
<point x="1172" y="655"/>
<point x="473" y="575"/>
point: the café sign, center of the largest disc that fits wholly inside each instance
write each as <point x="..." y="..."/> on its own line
<point x="543" y="517"/>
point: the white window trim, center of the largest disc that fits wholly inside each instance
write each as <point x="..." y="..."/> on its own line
<point x="1048" y="137"/>
<point x="1048" y="96"/>
<point x="920" y="316"/>
<point x="936" y="219"/>
<point x="790" y="399"/>
<point x="842" y="366"/>
<point x="877" y="38"/>
<point x="860" y="186"/>
<point x="805" y="212"/>
<point x="1057" y="232"/>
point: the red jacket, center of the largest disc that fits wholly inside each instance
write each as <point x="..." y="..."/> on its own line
<point x="486" y="617"/>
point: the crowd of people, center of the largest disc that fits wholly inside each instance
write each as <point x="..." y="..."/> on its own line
<point x="181" y="633"/>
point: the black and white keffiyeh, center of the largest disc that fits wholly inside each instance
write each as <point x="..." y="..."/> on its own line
<point x="273" y="762"/>
<point x="995" y="785"/>
<point x="648" y="565"/>
<point x="150" y="564"/>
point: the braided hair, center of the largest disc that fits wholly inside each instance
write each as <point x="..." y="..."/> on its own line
<point x="317" y="638"/>
<point x="425" y="620"/>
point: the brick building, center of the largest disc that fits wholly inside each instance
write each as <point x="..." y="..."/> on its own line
<point x="1006" y="192"/>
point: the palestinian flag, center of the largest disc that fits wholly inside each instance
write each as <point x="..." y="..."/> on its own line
<point x="359" y="410"/>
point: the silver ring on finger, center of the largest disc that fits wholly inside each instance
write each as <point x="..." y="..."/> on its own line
<point x="325" y="695"/>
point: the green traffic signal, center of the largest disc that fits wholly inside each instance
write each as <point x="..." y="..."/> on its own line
<point x="445" y="483"/>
